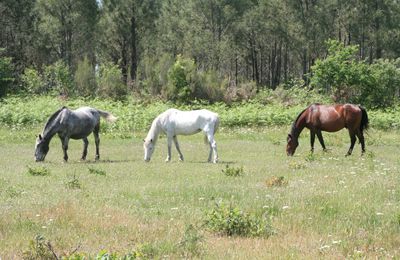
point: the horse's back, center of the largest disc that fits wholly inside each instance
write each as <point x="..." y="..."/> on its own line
<point x="189" y="122"/>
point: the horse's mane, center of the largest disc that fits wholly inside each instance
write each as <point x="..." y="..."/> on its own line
<point x="53" y="117"/>
<point x="295" y="121"/>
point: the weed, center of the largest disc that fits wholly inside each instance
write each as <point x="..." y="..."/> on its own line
<point x="276" y="181"/>
<point x="38" y="171"/>
<point x="310" y="157"/>
<point x="74" y="183"/>
<point x="191" y="242"/>
<point x="39" y="248"/>
<point x="97" y="171"/>
<point x="232" y="221"/>
<point x="233" y="171"/>
<point x="297" y="165"/>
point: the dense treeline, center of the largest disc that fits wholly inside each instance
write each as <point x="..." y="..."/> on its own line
<point x="209" y="49"/>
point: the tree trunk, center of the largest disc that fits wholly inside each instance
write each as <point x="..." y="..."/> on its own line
<point x="134" y="60"/>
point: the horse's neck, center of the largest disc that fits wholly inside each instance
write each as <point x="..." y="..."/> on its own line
<point x="155" y="130"/>
<point x="298" y="126"/>
<point x="51" y="129"/>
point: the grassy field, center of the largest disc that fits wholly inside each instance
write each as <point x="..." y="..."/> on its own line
<point x="329" y="205"/>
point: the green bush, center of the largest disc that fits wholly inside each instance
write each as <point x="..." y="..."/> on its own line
<point x="85" y="79"/>
<point x="32" y="81"/>
<point x="182" y="80"/>
<point x="38" y="171"/>
<point x="232" y="221"/>
<point x="58" y="78"/>
<point x="233" y="171"/>
<point x="5" y="74"/>
<point x="110" y="82"/>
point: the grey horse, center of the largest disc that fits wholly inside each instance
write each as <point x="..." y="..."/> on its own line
<point x="75" y="124"/>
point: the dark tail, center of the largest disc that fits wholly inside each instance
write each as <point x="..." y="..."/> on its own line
<point x="364" y="119"/>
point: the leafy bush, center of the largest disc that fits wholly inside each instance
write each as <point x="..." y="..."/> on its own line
<point x="5" y="74"/>
<point x="58" y="78"/>
<point x="32" y="81"/>
<point x="182" y="80"/>
<point x="110" y="82"/>
<point x="232" y="171"/>
<point x="231" y="221"/>
<point x="85" y="79"/>
<point x="97" y="171"/>
<point x="38" y="171"/>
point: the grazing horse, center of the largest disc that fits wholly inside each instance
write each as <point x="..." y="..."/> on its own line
<point x="75" y="124"/>
<point x="174" y="122"/>
<point x="332" y="118"/>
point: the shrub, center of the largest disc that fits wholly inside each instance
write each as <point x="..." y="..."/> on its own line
<point x="38" y="171"/>
<point x="182" y="80"/>
<point x="85" y="79"/>
<point x="276" y="181"/>
<point x="231" y="221"/>
<point x="32" y="81"/>
<point x="232" y="171"/>
<point x="58" y="78"/>
<point x="5" y="74"/>
<point x="191" y="242"/>
<point x="110" y="82"/>
<point x="97" y="171"/>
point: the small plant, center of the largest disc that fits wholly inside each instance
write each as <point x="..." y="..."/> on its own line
<point x="97" y="171"/>
<point x="310" y="157"/>
<point x="232" y="221"/>
<point x="233" y="171"/>
<point x="39" y="248"/>
<point x="191" y="242"/>
<point x="38" y="171"/>
<point x="297" y="165"/>
<point x="276" y="181"/>
<point x="73" y="183"/>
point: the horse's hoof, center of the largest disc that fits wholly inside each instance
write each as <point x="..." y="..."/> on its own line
<point x="181" y="159"/>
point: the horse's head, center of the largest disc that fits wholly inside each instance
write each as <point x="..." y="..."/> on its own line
<point x="148" y="146"/>
<point x="292" y="144"/>
<point x="41" y="149"/>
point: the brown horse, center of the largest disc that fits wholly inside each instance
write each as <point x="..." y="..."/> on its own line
<point x="332" y="118"/>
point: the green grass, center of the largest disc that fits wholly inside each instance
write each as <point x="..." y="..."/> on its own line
<point x="331" y="206"/>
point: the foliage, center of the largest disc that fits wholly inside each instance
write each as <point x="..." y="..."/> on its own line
<point x="38" y="171"/>
<point x="97" y="171"/>
<point x="58" y="79"/>
<point x="182" y="80"/>
<point x="276" y="181"/>
<point x="191" y="242"/>
<point x="350" y="80"/>
<point x="32" y="81"/>
<point x="232" y="221"/>
<point x="38" y="249"/>
<point x="110" y="82"/>
<point x="73" y="183"/>
<point x="85" y="79"/>
<point x="233" y="171"/>
<point x="5" y="74"/>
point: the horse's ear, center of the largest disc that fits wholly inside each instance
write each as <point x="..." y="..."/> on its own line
<point x="40" y="137"/>
<point x="289" y="136"/>
<point x="151" y="140"/>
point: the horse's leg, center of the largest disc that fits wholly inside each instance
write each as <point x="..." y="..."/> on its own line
<point x="321" y="140"/>
<point x="97" y="141"/>
<point x="312" y="140"/>
<point x="177" y="148"/>
<point x="213" y="145"/>
<point x="353" y="141"/>
<point x="64" y="143"/>
<point x="85" y="146"/>
<point x="360" y="136"/>
<point x="169" y="144"/>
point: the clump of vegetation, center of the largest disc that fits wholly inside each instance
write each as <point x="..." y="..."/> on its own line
<point x="74" y="183"/>
<point x="39" y="248"/>
<point x="97" y="171"/>
<point x="191" y="242"/>
<point x="232" y="221"/>
<point x="38" y="171"/>
<point x="297" y="165"/>
<point x="233" y="171"/>
<point x="276" y="181"/>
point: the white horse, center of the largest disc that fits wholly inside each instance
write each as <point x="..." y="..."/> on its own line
<point x="174" y="122"/>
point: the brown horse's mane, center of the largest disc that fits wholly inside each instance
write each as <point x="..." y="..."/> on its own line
<point x="295" y="121"/>
<point x="53" y="117"/>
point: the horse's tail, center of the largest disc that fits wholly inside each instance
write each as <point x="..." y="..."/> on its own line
<point x="107" y="116"/>
<point x="364" y="119"/>
<point x="216" y="125"/>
